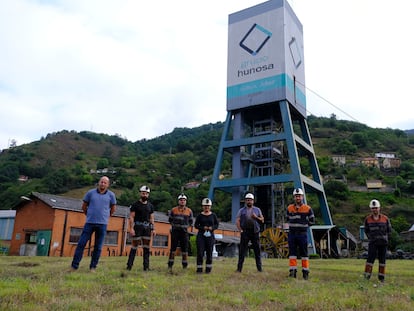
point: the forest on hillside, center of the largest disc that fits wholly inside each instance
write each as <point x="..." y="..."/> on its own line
<point x="68" y="160"/>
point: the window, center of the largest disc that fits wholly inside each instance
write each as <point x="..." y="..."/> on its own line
<point x="30" y="237"/>
<point x="75" y="234"/>
<point x="160" y="241"/>
<point x="111" y="238"/>
<point x="6" y="228"/>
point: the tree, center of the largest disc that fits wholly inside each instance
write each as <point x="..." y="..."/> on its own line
<point x="336" y="189"/>
<point x="189" y="167"/>
<point x="102" y="163"/>
<point x="359" y="139"/>
<point x="344" y="146"/>
<point x="13" y="143"/>
<point x="58" y="181"/>
<point x="9" y="172"/>
<point x="400" y="224"/>
<point x="163" y="200"/>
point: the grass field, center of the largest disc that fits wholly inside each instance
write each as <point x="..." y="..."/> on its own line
<point x="45" y="283"/>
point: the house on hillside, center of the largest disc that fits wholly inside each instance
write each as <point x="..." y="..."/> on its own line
<point x="51" y="225"/>
<point x="374" y="185"/>
<point x="192" y="185"/>
<point x="370" y="162"/>
<point x="23" y="178"/>
<point x="390" y="164"/>
<point x="388" y="160"/>
<point x="339" y="160"/>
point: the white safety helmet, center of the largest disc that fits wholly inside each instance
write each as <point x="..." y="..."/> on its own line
<point x="297" y="191"/>
<point x="249" y="196"/>
<point x="206" y="201"/>
<point x="182" y="196"/>
<point x="374" y="203"/>
<point x="145" y="189"/>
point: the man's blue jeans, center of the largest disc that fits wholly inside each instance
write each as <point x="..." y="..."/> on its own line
<point x="88" y="229"/>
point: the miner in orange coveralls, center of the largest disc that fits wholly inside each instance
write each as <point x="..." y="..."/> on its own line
<point x="299" y="216"/>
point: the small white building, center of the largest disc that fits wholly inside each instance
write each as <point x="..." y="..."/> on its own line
<point x="408" y="235"/>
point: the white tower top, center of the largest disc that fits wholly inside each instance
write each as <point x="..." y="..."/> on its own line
<point x="265" y="57"/>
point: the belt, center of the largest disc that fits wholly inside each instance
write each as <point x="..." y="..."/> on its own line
<point x="142" y="223"/>
<point x="248" y="229"/>
<point x="182" y="227"/>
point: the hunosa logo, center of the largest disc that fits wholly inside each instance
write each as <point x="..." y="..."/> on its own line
<point x="252" y="42"/>
<point x="255" y="39"/>
<point x="246" y="72"/>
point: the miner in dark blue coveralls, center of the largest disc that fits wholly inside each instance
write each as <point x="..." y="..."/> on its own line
<point x="206" y="222"/>
<point x="248" y="221"/>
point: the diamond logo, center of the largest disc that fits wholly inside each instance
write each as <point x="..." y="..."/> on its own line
<point x="255" y="39"/>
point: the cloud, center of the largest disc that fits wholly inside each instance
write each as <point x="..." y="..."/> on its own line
<point x="140" y="69"/>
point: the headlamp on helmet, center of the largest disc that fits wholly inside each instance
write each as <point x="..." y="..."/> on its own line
<point x="145" y="189"/>
<point x="182" y="196"/>
<point x="206" y="201"/>
<point x="249" y="196"/>
<point x="297" y="191"/>
<point x="374" y="204"/>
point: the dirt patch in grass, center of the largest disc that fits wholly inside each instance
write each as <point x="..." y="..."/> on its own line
<point x="27" y="264"/>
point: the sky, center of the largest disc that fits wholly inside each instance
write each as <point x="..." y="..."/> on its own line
<point x="139" y="69"/>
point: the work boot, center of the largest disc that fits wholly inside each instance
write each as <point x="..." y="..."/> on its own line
<point x="146" y="259"/>
<point x="292" y="273"/>
<point x="239" y="267"/>
<point x="305" y="274"/>
<point x="368" y="271"/>
<point x="208" y="270"/>
<point x="131" y="258"/>
<point x="170" y="265"/>
<point x="171" y="260"/>
<point x="199" y="270"/>
<point x="184" y="260"/>
<point x="381" y="273"/>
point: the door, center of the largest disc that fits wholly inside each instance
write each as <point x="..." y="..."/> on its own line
<point x="43" y="242"/>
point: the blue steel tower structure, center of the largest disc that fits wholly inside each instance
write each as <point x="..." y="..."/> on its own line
<point x="266" y="136"/>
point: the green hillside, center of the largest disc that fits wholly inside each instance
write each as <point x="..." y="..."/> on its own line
<point x="68" y="163"/>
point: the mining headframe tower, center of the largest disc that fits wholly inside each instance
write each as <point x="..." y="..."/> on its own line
<point x="266" y="132"/>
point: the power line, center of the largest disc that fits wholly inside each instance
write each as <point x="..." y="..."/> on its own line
<point x="324" y="99"/>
